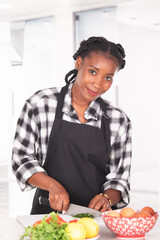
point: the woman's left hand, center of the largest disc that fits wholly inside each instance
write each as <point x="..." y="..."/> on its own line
<point x="100" y="203"/>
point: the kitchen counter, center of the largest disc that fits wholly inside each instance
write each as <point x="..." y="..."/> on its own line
<point x="12" y="229"/>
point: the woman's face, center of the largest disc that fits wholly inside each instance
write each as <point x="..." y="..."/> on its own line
<point x="95" y="75"/>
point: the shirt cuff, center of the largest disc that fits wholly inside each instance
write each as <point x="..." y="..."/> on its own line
<point x="121" y="186"/>
<point x="25" y="171"/>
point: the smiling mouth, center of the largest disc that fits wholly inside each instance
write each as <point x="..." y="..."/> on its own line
<point x="93" y="94"/>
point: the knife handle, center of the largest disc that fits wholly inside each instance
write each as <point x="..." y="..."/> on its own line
<point x="44" y="201"/>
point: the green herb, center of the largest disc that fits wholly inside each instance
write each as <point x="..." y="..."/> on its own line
<point x="81" y="215"/>
<point x="46" y="230"/>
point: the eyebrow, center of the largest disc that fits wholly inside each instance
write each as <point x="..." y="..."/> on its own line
<point x="98" y="70"/>
<point x="93" y="67"/>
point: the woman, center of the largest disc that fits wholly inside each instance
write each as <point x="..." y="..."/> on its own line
<point x="70" y="143"/>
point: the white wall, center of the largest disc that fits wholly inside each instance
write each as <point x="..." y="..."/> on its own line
<point x="141" y="100"/>
<point x="138" y="87"/>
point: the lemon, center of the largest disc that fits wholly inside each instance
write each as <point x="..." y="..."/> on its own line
<point x="90" y="226"/>
<point x="76" y="231"/>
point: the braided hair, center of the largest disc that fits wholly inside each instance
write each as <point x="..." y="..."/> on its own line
<point x="97" y="44"/>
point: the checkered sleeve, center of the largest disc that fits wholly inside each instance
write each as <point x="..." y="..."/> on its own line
<point x="118" y="176"/>
<point x="24" y="153"/>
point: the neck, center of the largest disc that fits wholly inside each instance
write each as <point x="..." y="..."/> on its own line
<point x="77" y="99"/>
<point x="79" y="103"/>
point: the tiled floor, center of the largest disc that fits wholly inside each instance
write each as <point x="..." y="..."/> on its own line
<point x="139" y="199"/>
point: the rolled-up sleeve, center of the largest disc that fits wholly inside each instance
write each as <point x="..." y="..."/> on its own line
<point x="24" y="153"/>
<point x="118" y="174"/>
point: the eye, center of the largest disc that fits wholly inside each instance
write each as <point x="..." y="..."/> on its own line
<point x="109" y="78"/>
<point x="92" y="71"/>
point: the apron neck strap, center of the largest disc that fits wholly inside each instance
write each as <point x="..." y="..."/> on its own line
<point x="60" y="102"/>
<point x="103" y="104"/>
<point x="105" y="121"/>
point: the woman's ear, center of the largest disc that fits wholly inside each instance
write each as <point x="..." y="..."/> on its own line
<point x="78" y="63"/>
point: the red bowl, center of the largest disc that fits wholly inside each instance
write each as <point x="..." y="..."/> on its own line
<point x="129" y="227"/>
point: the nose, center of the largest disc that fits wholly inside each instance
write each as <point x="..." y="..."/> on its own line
<point x="96" y="82"/>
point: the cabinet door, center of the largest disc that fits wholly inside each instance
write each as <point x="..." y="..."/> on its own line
<point x="5" y="97"/>
<point x="35" y="72"/>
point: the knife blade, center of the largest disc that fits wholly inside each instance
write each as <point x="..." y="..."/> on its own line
<point x="73" y="209"/>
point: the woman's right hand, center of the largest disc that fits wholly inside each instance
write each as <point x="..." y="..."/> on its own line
<point x="58" y="197"/>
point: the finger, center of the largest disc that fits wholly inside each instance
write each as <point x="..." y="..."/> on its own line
<point x="51" y="200"/>
<point x="99" y="204"/>
<point x="94" y="201"/>
<point x="57" y="202"/>
<point x="59" y="205"/>
<point x="105" y="207"/>
<point x="54" y="202"/>
<point x="65" y="205"/>
<point x="91" y="204"/>
<point x="102" y="204"/>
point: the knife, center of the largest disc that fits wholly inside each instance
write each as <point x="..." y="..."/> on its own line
<point x="73" y="209"/>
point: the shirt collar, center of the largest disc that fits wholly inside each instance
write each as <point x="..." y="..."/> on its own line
<point x="92" y="112"/>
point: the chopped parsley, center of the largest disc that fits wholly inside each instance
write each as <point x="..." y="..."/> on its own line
<point x="81" y="215"/>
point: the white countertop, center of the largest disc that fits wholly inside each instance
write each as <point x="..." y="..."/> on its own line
<point x="11" y="229"/>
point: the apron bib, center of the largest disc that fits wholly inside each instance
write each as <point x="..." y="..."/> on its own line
<point x="77" y="157"/>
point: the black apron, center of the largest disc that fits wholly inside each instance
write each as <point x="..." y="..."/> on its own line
<point x="77" y="157"/>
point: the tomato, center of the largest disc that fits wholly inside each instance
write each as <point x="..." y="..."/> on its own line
<point x="59" y="220"/>
<point x="48" y="219"/>
<point x="37" y="223"/>
<point x="74" y="220"/>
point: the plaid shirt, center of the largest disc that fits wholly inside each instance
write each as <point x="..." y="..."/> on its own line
<point x="33" y="131"/>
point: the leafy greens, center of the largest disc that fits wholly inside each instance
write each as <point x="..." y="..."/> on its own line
<point x="46" y="230"/>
